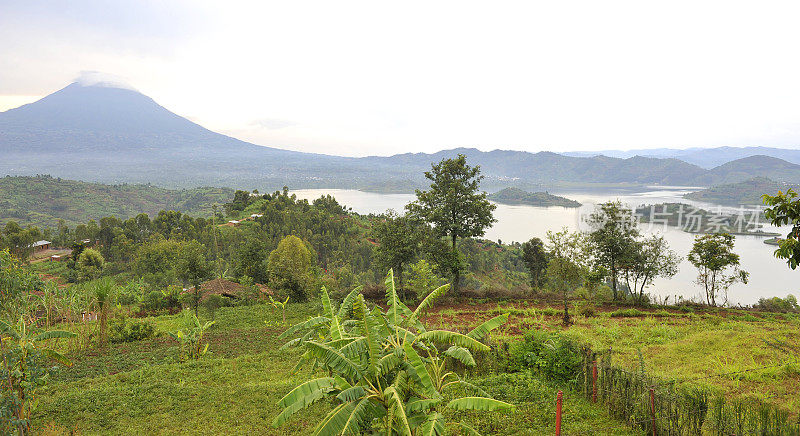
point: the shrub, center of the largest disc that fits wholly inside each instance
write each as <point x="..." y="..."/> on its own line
<point x="131" y="330"/>
<point x="214" y="302"/>
<point x="777" y="304"/>
<point x="166" y="300"/>
<point x="90" y="264"/>
<point x="625" y="313"/>
<point x="548" y="354"/>
<point x="421" y="278"/>
<point x="131" y="293"/>
<point x="587" y="310"/>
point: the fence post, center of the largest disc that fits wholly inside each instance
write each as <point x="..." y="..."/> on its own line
<point x="559" y="400"/>
<point x="594" y="381"/>
<point x="653" y="409"/>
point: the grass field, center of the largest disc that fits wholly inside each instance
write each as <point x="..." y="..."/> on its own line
<point x="141" y="387"/>
<point x="674" y="344"/>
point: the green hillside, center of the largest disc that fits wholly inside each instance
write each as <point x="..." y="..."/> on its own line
<point x="747" y="192"/>
<point x="43" y="200"/>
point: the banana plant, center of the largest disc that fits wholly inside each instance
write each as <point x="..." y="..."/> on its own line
<point x="22" y="370"/>
<point x="191" y="338"/>
<point x="385" y="371"/>
<point x="278" y="304"/>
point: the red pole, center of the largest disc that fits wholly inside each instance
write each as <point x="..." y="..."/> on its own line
<point x="594" y="381"/>
<point x="653" y="409"/>
<point x="559" y="400"/>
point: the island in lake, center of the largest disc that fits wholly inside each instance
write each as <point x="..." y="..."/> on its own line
<point x="518" y="196"/>
<point x="693" y="219"/>
<point x="746" y="192"/>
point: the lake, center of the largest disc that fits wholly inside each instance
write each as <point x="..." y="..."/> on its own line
<point x="769" y="276"/>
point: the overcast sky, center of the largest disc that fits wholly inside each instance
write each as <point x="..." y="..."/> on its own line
<point x="375" y="77"/>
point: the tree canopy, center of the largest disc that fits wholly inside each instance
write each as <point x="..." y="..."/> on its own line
<point x="454" y="205"/>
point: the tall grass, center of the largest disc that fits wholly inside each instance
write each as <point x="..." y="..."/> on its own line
<point x="680" y="408"/>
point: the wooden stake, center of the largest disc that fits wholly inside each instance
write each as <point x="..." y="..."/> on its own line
<point x="653" y="409"/>
<point x="559" y="400"/>
<point x="594" y="381"/>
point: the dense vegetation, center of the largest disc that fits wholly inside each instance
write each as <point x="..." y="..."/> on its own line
<point x="43" y="200"/>
<point x="745" y="221"/>
<point x="748" y="192"/>
<point x="132" y="325"/>
<point x="519" y="196"/>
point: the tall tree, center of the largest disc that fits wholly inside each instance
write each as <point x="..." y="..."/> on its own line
<point x="535" y="259"/>
<point x="569" y="264"/>
<point x="613" y="236"/>
<point x="398" y="240"/>
<point x="454" y="206"/>
<point x="193" y="268"/>
<point x="713" y="255"/>
<point x="651" y="258"/>
<point x="288" y="267"/>
<point x="785" y="210"/>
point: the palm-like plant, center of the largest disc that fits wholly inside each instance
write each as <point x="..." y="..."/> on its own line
<point x="385" y="370"/>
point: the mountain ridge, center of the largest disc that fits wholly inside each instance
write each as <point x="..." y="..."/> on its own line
<point x="113" y="135"/>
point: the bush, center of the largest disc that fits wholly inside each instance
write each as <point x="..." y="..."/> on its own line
<point x="626" y="313"/>
<point x="548" y="354"/>
<point x="777" y="304"/>
<point x="587" y="310"/>
<point x="421" y="279"/>
<point x="167" y="300"/>
<point x="131" y="293"/>
<point x="131" y="330"/>
<point x="214" y="302"/>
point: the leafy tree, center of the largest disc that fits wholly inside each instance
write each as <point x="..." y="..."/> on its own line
<point x="613" y="236"/>
<point x="288" y="267"/>
<point x="193" y="268"/>
<point x="454" y="206"/>
<point x="386" y="372"/>
<point x="422" y="278"/>
<point x="90" y="264"/>
<point x="15" y="283"/>
<point x="649" y="259"/>
<point x="241" y="199"/>
<point x="398" y="242"/>
<point x="251" y="259"/>
<point x="569" y="264"/>
<point x="19" y="241"/>
<point x="535" y="258"/>
<point x="785" y="210"/>
<point x="713" y="255"/>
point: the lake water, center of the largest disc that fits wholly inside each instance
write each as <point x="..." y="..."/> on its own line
<point x="769" y="276"/>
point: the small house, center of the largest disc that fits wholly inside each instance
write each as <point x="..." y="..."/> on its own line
<point x="41" y="245"/>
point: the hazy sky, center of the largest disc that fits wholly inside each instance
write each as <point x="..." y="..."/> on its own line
<point x="375" y="77"/>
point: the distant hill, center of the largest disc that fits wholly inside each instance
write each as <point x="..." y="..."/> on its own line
<point x="748" y="192"/>
<point x="703" y="157"/>
<point x="112" y="135"/>
<point x="749" y="167"/>
<point x="504" y="167"/>
<point x="518" y="196"/>
<point x="42" y="200"/>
